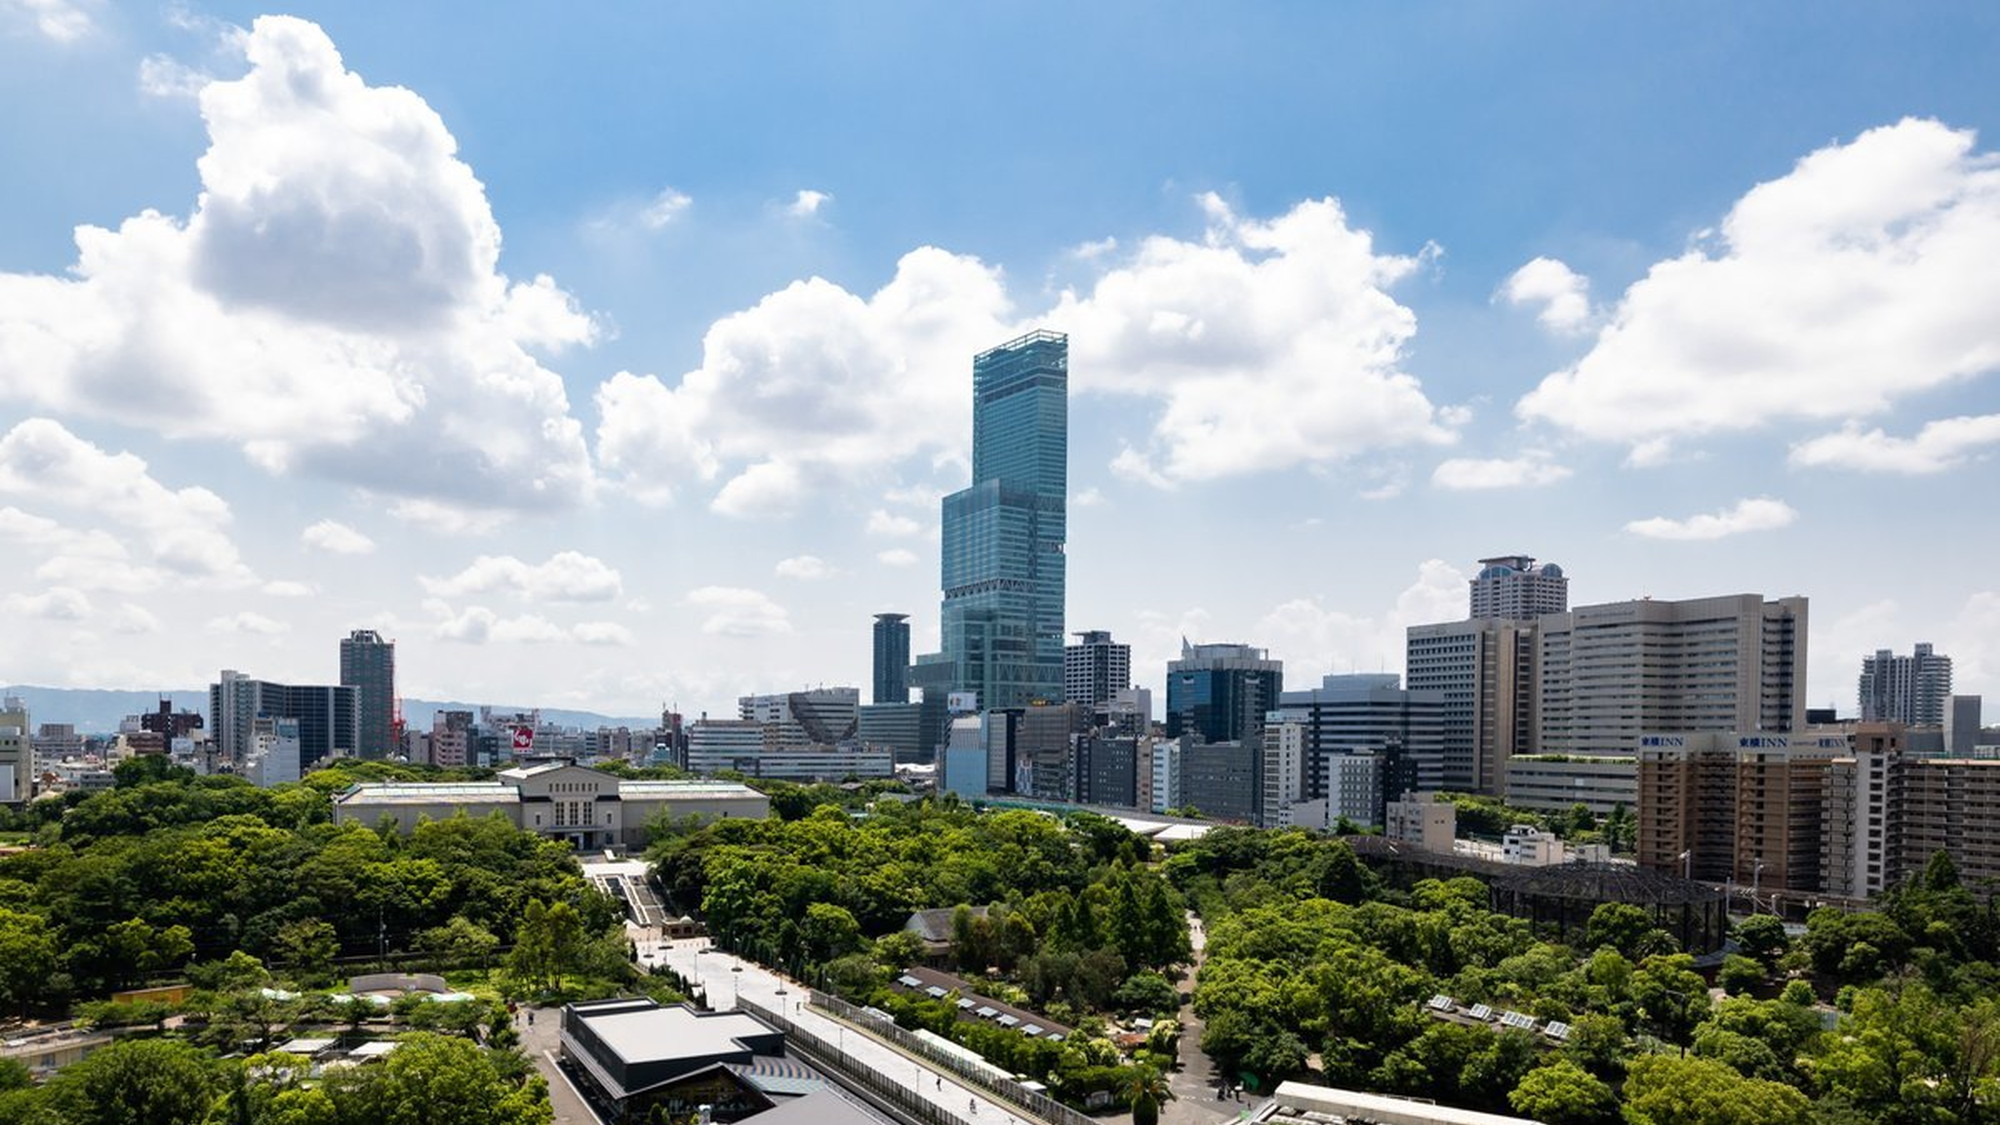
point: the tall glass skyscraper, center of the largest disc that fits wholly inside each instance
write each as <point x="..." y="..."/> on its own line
<point x="1003" y="564"/>
<point x="892" y="658"/>
<point x="368" y="665"/>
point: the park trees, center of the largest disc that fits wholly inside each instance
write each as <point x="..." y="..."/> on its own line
<point x="459" y="942"/>
<point x="27" y="957"/>
<point x="1662" y="1090"/>
<point x="1763" y="937"/>
<point x="1563" y="1093"/>
<point x="547" y="945"/>
<point x="436" y="1080"/>
<point x="1146" y="1090"/>
<point x="134" y="1082"/>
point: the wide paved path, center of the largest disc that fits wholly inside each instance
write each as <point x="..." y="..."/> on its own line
<point x="539" y="1040"/>
<point x="1194" y="1083"/>
<point x="727" y="978"/>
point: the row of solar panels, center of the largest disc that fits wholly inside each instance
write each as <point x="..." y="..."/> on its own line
<point x="982" y="1011"/>
<point x="1556" y="1029"/>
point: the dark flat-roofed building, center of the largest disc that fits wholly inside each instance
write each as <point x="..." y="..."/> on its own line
<point x="636" y="1056"/>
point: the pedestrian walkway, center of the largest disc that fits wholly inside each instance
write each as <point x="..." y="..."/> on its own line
<point x="728" y="981"/>
<point x="541" y="1031"/>
<point x="1196" y="1082"/>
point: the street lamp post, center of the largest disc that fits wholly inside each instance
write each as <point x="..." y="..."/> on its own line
<point x="1756" y="879"/>
<point x="735" y="985"/>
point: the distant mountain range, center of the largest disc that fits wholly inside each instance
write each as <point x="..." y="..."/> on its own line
<point x="99" y="711"/>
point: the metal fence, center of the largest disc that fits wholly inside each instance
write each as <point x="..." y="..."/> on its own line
<point x="878" y="1085"/>
<point x="998" y="1084"/>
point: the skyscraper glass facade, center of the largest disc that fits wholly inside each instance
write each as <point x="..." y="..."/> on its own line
<point x="892" y="658"/>
<point x="1002" y="561"/>
<point x="1219" y="693"/>
<point x="368" y="665"/>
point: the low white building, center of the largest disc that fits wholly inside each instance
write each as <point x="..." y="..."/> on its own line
<point x="1529" y="846"/>
<point x="589" y="808"/>
<point x="274" y="754"/>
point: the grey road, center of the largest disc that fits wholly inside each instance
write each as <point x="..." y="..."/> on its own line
<point x="1193" y="1084"/>
<point x="539" y="1041"/>
<point x="725" y="978"/>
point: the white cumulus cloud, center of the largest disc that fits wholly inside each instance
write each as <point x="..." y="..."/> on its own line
<point x="1471" y="474"/>
<point x="65" y="21"/>
<point x="1757" y="514"/>
<point x="1266" y="344"/>
<point x="733" y="611"/>
<point x="881" y="522"/>
<point x="331" y="303"/>
<point x="663" y="208"/>
<point x="897" y="556"/>
<point x="1940" y="445"/>
<point x="803" y="568"/>
<point x="807" y="203"/>
<point x="1866" y="274"/>
<point x="567" y="576"/>
<point x="58" y="603"/>
<point x="1562" y="293"/>
<point x="813" y="386"/>
<point x="1314" y="639"/>
<point x="336" y="538"/>
<point x="255" y="624"/>
<point x="183" y="530"/>
<point x="1270" y="343"/>
<point x="478" y="625"/>
<point x="134" y="620"/>
<point x="607" y="633"/>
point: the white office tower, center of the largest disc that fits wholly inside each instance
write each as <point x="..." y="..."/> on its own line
<point x="1517" y="588"/>
<point x="1284" y="749"/>
<point x="1608" y="674"/>
<point x="17" y="752"/>
<point x="1905" y="689"/>
<point x="1484" y="670"/>
<point x="274" y="756"/>
<point x="1095" y="669"/>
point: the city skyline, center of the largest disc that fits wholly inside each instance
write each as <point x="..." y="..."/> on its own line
<point x="364" y="333"/>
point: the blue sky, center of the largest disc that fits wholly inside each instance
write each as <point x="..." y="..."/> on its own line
<point x="621" y="356"/>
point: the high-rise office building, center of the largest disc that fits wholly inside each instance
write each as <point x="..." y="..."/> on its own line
<point x="328" y="716"/>
<point x="897" y="727"/>
<point x="1517" y="588"/>
<point x="368" y="665"/>
<point x="1607" y="674"/>
<point x="17" y="752"/>
<point x="892" y="658"/>
<point x="797" y="720"/>
<point x="1484" y="671"/>
<point x="1905" y="689"/>
<point x="1045" y="750"/>
<point x="1369" y="714"/>
<point x="1961" y="725"/>
<point x="1002" y="561"/>
<point x="1219" y="693"/>
<point x="1095" y="669"/>
<point x="1225" y="780"/>
<point x="1108" y="770"/>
